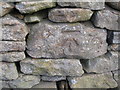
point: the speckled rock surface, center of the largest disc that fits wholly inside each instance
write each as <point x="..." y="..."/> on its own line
<point x="51" y="40"/>
<point x="53" y="78"/>
<point x="5" y="8"/>
<point x="114" y="47"/>
<point x="30" y="7"/>
<point x="12" y="56"/>
<point x="36" y="17"/>
<point x="70" y="15"/>
<point x="26" y="81"/>
<point x="102" y="64"/>
<point x="93" y="81"/>
<point x="108" y="19"/>
<point x="8" y="71"/>
<point x="50" y="67"/>
<point x="13" y="29"/>
<point x="59" y="44"/>
<point x="46" y="85"/>
<point x="96" y="5"/>
<point x="12" y="46"/>
<point x="115" y="5"/>
<point x="116" y="37"/>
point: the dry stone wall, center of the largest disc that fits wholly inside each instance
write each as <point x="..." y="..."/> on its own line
<point x="59" y="45"/>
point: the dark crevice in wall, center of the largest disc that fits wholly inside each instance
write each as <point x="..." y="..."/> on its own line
<point x="69" y="88"/>
<point x="17" y="14"/>
<point x="26" y="54"/>
<point x="83" y="62"/>
<point x="62" y="85"/>
<point x="109" y="37"/>
<point x="18" y="66"/>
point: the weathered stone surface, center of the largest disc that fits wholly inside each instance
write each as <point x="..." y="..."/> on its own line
<point x="90" y="4"/>
<point x="53" y="78"/>
<point x="36" y="17"/>
<point x="114" y="47"/>
<point x="105" y="63"/>
<point x="4" y="84"/>
<point x="70" y="15"/>
<point x="116" y="37"/>
<point x="5" y="8"/>
<point x="25" y="81"/>
<point x="12" y="56"/>
<point x="46" y="85"/>
<point x="115" y="5"/>
<point x="8" y="71"/>
<point x="30" y="7"/>
<point x="116" y="75"/>
<point x="70" y="40"/>
<point x="107" y="18"/>
<point x="93" y="81"/>
<point x="51" y="67"/>
<point x="12" y="46"/>
<point x="13" y="29"/>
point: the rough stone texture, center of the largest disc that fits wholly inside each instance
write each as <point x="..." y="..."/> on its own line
<point x="30" y="7"/>
<point x="25" y="81"/>
<point x="46" y="85"/>
<point x="96" y="5"/>
<point x="12" y="56"/>
<point x="93" y="81"/>
<point x="13" y="29"/>
<point x="53" y="78"/>
<point x="8" y="71"/>
<point x="115" y="5"/>
<point x="116" y="37"/>
<point x="51" y="40"/>
<point x="4" y="84"/>
<point x="105" y="63"/>
<point x="114" y="47"/>
<point x="12" y="46"/>
<point x="107" y="18"/>
<point x="51" y="67"/>
<point x="6" y="8"/>
<point x="36" y="17"/>
<point x="70" y="15"/>
<point x="116" y="75"/>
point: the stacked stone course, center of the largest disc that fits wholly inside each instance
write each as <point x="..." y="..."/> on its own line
<point x="59" y="45"/>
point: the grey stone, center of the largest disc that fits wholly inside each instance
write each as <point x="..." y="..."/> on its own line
<point x="4" y="84"/>
<point x="115" y="5"/>
<point x="34" y="6"/>
<point x="36" y="17"/>
<point x="13" y="29"/>
<point x="46" y="85"/>
<point x="51" y="67"/>
<point x="104" y="63"/>
<point x="70" y="14"/>
<point x="89" y="4"/>
<point x="114" y="47"/>
<point x="93" y="81"/>
<point x="8" y="71"/>
<point x="53" y="78"/>
<point x="116" y="37"/>
<point x="12" y="56"/>
<point x="12" y="46"/>
<point x="116" y="75"/>
<point x="70" y="40"/>
<point x="25" y="81"/>
<point x="5" y="8"/>
<point x="107" y="18"/>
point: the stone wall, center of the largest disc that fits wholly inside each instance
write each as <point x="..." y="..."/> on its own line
<point x="60" y="45"/>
